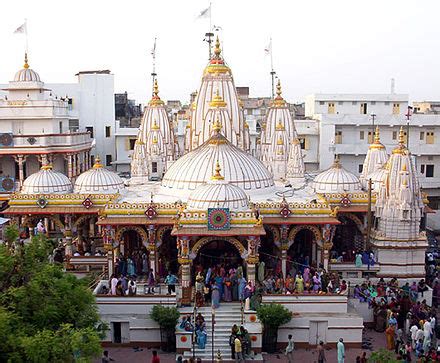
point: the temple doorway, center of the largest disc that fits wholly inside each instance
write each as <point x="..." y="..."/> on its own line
<point x="167" y="255"/>
<point x="347" y="241"/>
<point x="132" y="242"/>
<point x="269" y="253"/>
<point x="302" y="252"/>
<point x="218" y="253"/>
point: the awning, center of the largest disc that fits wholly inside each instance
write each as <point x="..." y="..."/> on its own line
<point x="134" y="220"/>
<point x="301" y="220"/>
<point x="26" y="209"/>
<point x="204" y="231"/>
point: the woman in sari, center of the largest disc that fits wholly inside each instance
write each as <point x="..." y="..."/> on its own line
<point x="316" y="283"/>
<point x="299" y="284"/>
<point x="234" y="287"/>
<point x="215" y="296"/>
<point x="390" y="337"/>
<point x="227" y="289"/>
<point x="219" y="282"/>
<point x="201" y="337"/>
<point x="241" y="288"/>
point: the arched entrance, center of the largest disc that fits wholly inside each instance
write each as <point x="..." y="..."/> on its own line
<point x="304" y="242"/>
<point x="269" y="252"/>
<point x="348" y="239"/>
<point x="167" y="252"/>
<point x="214" y="252"/>
<point x="131" y="240"/>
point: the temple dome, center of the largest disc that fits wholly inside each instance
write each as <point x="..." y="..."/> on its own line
<point x="47" y="181"/>
<point x="377" y="178"/>
<point x="196" y="168"/>
<point x="26" y="74"/>
<point x="218" y="193"/>
<point x="336" y="180"/>
<point x="98" y="180"/>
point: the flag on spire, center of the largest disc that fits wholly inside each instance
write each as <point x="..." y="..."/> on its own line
<point x="22" y="29"/>
<point x="268" y="49"/>
<point x="206" y="13"/>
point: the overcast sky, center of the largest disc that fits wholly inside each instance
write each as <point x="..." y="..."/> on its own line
<point x="318" y="46"/>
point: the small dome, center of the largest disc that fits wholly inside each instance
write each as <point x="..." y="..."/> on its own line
<point x="26" y="74"/>
<point x="47" y="181"/>
<point x="218" y="193"/>
<point x="336" y="180"/>
<point x="377" y="178"/>
<point x="98" y="180"/>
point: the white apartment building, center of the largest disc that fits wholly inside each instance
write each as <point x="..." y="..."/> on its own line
<point x="345" y="126"/>
<point x="90" y="106"/>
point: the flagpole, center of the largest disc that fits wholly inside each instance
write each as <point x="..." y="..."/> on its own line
<point x="26" y="33"/>
<point x="153" y="74"/>
<point x="272" y="72"/>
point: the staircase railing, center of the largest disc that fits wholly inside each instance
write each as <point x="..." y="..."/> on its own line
<point x="242" y="311"/>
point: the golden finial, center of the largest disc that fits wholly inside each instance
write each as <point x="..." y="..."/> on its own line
<point x="97" y="164"/>
<point x="337" y="162"/>
<point x="155" y="100"/>
<point x="405" y="182"/>
<point x="280" y="126"/>
<point x="154" y="139"/>
<point x="155" y="126"/>
<point x="279" y="88"/>
<point x="404" y="167"/>
<point x="26" y="65"/>
<point x="217" y="175"/>
<point x="246" y="125"/>
<point x="46" y="167"/>
<point x="217" y="126"/>
<point x="155" y="88"/>
<point x="217" y="100"/>
<point x="280" y="141"/>
<point x="217" y="50"/>
<point x="377" y="135"/>
<point x="401" y="136"/>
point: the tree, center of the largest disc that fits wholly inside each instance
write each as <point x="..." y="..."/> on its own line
<point x="383" y="355"/>
<point x="46" y="314"/>
<point x="167" y="318"/>
<point x="11" y="234"/>
<point x="272" y="316"/>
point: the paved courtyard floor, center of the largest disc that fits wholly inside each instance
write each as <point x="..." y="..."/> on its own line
<point x="372" y="341"/>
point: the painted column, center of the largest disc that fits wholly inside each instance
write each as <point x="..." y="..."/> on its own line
<point x="68" y="250"/>
<point x="328" y="233"/>
<point x="92" y="227"/>
<point x="69" y="166"/>
<point x="252" y="257"/>
<point x="284" y="262"/>
<point x="78" y="164"/>
<point x="152" y="247"/>
<point x="185" y="262"/>
<point x="108" y="235"/>
<point x="20" y="161"/>
<point x="73" y="165"/>
<point x="284" y="243"/>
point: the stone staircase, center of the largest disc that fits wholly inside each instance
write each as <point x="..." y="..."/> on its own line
<point x="226" y="316"/>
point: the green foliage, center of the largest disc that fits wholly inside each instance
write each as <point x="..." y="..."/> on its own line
<point x="273" y="315"/>
<point x="383" y="355"/>
<point x="46" y="315"/>
<point x="11" y="234"/>
<point x="166" y="317"/>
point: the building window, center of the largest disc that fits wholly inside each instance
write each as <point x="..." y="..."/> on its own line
<point x="70" y="103"/>
<point x="90" y="129"/>
<point x="394" y="135"/>
<point x="363" y="108"/>
<point x="108" y="160"/>
<point x="429" y="171"/>
<point x="321" y="103"/>
<point x="370" y="137"/>
<point x="338" y="137"/>
<point x="132" y="143"/>
<point x="303" y="143"/>
<point x="430" y="137"/>
<point x="340" y="103"/>
<point x="422" y="136"/>
<point x="396" y="108"/>
<point x="361" y="168"/>
<point x="107" y="131"/>
<point x="422" y="169"/>
<point x="73" y="125"/>
<point x="373" y="102"/>
<point x="331" y="108"/>
<point x="362" y="135"/>
<point x="154" y="167"/>
<point x="430" y="158"/>
<point x="354" y="103"/>
<point x="60" y="124"/>
<point x="387" y="103"/>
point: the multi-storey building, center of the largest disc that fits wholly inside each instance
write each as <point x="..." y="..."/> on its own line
<point x="36" y="128"/>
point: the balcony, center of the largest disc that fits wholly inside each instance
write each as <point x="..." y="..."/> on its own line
<point x="74" y="141"/>
<point x="30" y="109"/>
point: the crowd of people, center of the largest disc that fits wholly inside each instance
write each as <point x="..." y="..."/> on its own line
<point x="198" y="327"/>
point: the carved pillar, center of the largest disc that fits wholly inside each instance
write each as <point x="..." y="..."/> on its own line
<point x="328" y="233"/>
<point x="108" y="236"/>
<point x="152" y="247"/>
<point x="284" y="262"/>
<point x="284" y="243"/>
<point x="92" y="227"/>
<point x="68" y="250"/>
<point x="74" y="165"/>
<point x="185" y="262"/>
<point x="68" y="157"/>
<point x="252" y="257"/>
<point x="20" y="159"/>
<point x="78" y="165"/>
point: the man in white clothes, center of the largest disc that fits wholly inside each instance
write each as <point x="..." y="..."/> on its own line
<point x="413" y="331"/>
<point x="427" y="332"/>
<point x="433" y="336"/>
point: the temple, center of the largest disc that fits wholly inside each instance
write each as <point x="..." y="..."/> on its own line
<point x="214" y="203"/>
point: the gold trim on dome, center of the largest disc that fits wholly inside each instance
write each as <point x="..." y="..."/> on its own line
<point x="155" y="100"/>
<point x="280" y="126"/>
<point x="377" y="144"/>
<point x="97" y="164"/>
<point x="401" y="148"/>
<point x="154" y="139"/>
<point x="217" y="175"/>
<point x="26" y="65"/>
<point x="155" y="126"/>
<point x="279" y="100"/>
<point x="280" y="141"/>
<point x="404" y="167"/>
<point x="246" y="125"/>
<point x="46" y="167"/>
<point x="217" y="100"/>
<point x="337" y="165"/>
<point x="217" y="126"/>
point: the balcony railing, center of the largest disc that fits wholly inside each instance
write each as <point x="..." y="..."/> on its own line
<point x="50" y="140"/>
